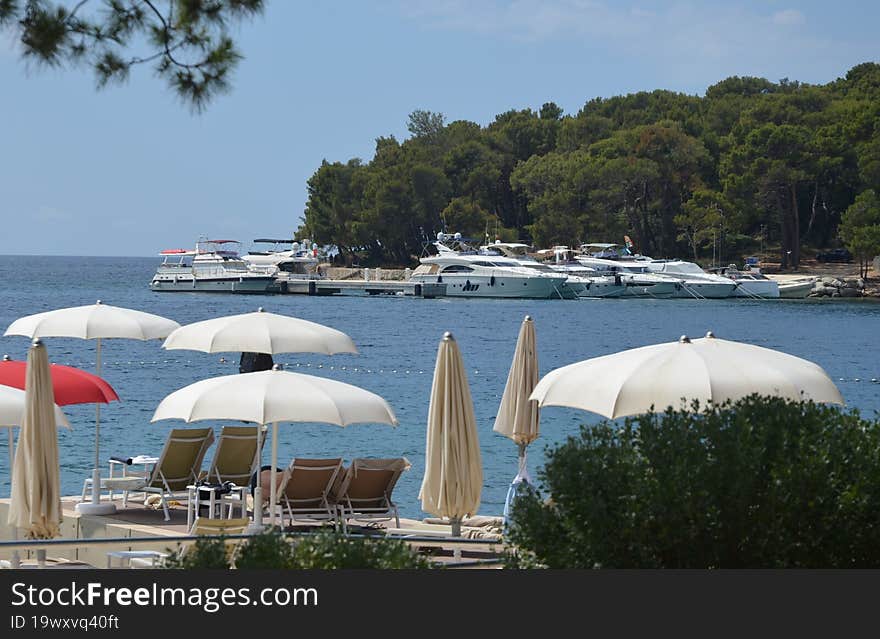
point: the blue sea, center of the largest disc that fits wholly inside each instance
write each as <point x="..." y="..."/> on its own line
<point x="397" y="338"/>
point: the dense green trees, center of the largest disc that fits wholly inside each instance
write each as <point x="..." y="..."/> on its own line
<point x="683" y="175"/>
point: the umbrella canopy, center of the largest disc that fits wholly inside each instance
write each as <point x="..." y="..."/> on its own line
<point x="70" y="385"/>
<point x="96" y="321"/>
<point x="673" y="374"/>
<point x="453" y="478"/>
<point x="270" y="397"/>
<point x="518" y="416"/>
<point x="259" y="332"/>
<point x="36" y="485"/>
<point x="12" y="406"/>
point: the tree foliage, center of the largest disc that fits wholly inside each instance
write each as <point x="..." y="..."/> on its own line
<point x="682" y="175"/>
<point x="186" y="41"/>
<point x="762" y="483"/>
<point x="860" y="228"/>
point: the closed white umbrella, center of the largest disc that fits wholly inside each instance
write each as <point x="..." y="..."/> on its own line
<point x="518" y="416"/>
<point x="674" y="374"/>
<point x="259" y="332"/>
<point x="453" y="480"/>
<point x="35" y="505"/>
<point x="95" y="321"/>
<point x="270" y="397"/>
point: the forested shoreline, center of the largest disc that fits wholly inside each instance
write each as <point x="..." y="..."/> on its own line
<point x="750" y="164"/>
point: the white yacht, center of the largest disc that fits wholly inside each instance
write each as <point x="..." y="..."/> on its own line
<point x="636" y="279"/>
<point x="593" y="283"/>
<point x="695" y="282"/>
<point x="286" y="256"/>
<point x="751" y="283"/>
<point x="467" y="273"/>
<point x="518" y="252"/>
<point x="213" y="266"/>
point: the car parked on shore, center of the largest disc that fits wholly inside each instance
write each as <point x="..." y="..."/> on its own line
<point x="834" y="255"/>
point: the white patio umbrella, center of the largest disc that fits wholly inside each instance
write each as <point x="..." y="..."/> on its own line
<point x="35" y="505"/>
<point x="12" y="406"/>
<point x="708" y="369"/>
<point x="95" y="321"/>
<point x="271" y="397"/>
<point x="453" y="478"/>
<point x="259" y="332"/>
<point x="518" y="416"/>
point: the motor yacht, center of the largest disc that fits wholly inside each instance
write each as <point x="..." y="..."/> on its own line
<point x="751" y="283"/>
<point x="213" y="266"/>
<point x="284" y="256"/>
<point x="695" y="282"/>
<point x="468" y="273"/>
<point x="636" y="279"/>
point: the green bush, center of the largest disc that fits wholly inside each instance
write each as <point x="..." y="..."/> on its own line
<point x="328" y="550"/>
<point x="762" y="483"/>
<point x="322" y="550"/>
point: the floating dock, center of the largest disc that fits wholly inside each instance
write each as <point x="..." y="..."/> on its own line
<point x="297" y="286"/>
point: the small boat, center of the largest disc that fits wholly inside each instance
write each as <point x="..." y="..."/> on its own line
<point x="794" y="287"/>
<point x="213" y="266"/>
<point x="751" y="283"/>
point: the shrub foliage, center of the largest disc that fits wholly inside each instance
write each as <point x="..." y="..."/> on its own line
<point x="762" y="483"/>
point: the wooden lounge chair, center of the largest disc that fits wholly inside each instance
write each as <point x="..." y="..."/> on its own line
<point x="237" y="455"/>
<point x="305" y="489"/>
<point x="179" y="466"/>
<point x="364" y="491"/>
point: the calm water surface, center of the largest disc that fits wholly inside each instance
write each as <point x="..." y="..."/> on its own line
<point x="397" y="338"/>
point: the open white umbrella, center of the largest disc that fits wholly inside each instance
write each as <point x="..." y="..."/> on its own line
<point x="95" y="321"/>
<point x="518" y="416"/>
<point x="12" y="407"/>
<point x="270" y="397"/>
<point x="453" y="479"/>
<point x="673" y="374"/>
<point x="259" y="332"/>
<point x="35" y="505"/>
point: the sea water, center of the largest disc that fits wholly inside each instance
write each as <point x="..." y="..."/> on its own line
<point x="397" y="338"/>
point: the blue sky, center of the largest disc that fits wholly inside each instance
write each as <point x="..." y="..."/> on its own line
<point x="128" y="170"/>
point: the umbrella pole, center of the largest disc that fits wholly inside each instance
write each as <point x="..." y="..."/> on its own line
<point x="15" y="560"/>
<point x="95" y="507"/>
<point x="456" y="526"/>
<point x="273" y="488"/>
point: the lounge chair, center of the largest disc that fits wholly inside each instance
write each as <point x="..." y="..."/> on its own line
<point x="365" y="490"/>
<point x="305" y="490"/>
<point x="201" y="526"/>
<point x="237" y="455"/>
<point x="179" y="466"/>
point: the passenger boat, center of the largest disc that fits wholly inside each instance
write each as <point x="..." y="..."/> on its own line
<point x="213" y="266"/>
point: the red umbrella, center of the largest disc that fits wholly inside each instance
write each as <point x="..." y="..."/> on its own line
<point x="71" y="385"/>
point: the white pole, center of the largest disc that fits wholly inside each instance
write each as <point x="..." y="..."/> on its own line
<point x="95" y="507"/>
<point x="15" y="560"/>
<point x="96" y="473"/>
<point x="273" y="488"/>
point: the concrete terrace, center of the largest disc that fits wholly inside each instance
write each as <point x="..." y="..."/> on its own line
<point x="138" y="521"/>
